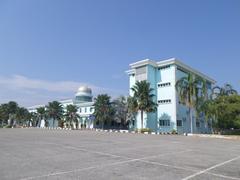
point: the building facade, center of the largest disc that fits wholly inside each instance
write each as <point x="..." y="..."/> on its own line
<point x="171" y="114"/>
<point x="83" y="100"/>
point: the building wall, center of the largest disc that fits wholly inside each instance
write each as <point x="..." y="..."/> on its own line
<point x="51" y="123"/>
<point x="131" y="83"/>
<point x="166" y="92"/>
<point x="85" y="111"/>
<point x="170" y="115"/>
<point x="84" y="115"/>
<point x="140" y="75"/>
<point x="151" y="121"/>
<point x="182" y="110"/>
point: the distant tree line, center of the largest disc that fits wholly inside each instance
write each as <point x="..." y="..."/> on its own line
<point x="12" y="114"/>
<point x="221" y="107"/>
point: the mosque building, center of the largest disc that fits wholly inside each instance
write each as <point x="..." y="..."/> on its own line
<point x="83" y="100"/>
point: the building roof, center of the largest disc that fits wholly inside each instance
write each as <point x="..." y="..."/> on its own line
<point x="35" y="106"/>
<point x="85" y="104"/>
<point x="164" y="63"/>
<point x="66" y="101"/>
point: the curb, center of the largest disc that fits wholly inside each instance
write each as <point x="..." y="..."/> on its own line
<point x="145" y="133"/>
<point x="215" y="136"/>
<point x="132" y="132"/>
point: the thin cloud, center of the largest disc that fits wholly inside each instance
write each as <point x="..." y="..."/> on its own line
<point x="22" y="82"/>
<point x="29" y="91"/>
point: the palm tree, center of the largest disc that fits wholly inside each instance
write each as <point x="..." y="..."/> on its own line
<point x="12" y="113"/>
<point x="22" y="115"/>
<point x="55" y="111"/>
<point x="132" y="104"/>
<point x="103" y="109"/>
<point x="4" y="114"/>
<point x="144" y="98"/>
<point x="71" y="114"/>
<point x="12" y="110"/>
<point x="120" y="108"/>
<point x="131" y="109"/>
<point x="33" y="117"/>
<point x="226" y="90"/>
<point x="191" y="91"/>
<point x="210" y="111"/>
<point x="41" y="112"/>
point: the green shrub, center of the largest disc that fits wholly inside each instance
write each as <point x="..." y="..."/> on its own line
<point x="143" y="130"/>
<point x="7" y="126"/>
<point x="231" y="132"/>
<point x="174" y="131"/>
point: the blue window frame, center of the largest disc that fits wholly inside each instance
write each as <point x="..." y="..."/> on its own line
<point x="164" y="122"/>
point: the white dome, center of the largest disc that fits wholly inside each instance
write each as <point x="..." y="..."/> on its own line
<point x="85" y="89"/>
<point x="84" y="94"/>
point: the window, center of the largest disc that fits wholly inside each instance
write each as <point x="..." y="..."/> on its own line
<point x="198" y="124"/>
<point x="85" y="109"/>
<point x="164" y="84"/>
<point x="83" y="99"/>
<point x="164" y="122"/>
<point x="141" y="73"/>
<point x="91" y="109"/>
<point x="80" y="110"/>
<point x="179" y="123"/>
<point x="209" y="124"/>
<point x="164" y="67"/>
<point x="165" y="101"/>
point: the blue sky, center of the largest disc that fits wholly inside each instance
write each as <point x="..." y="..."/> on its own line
<point x="50" y="47"/>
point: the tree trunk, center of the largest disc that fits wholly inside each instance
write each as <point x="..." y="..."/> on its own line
<point x="191" y="120"/>
<point x="141" y="119"/>
<point x="102" y="124"/>
<point x="45" y="124"/>
<point x="53" y="122"/>
<point x="76" y="124"/>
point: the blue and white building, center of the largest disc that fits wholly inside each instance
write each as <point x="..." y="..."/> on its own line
<point x="83" y="99"/>
<point x="171" y="114"/>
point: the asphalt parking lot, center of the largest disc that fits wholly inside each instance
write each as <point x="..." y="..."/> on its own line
<point x="62" y="154"/>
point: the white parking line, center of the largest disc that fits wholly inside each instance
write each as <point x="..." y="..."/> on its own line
<point x="103" y="153"/>
<point x="210" y="168"/>
<point x="113" y="155"/>
<point x="223" y="176"/>
<point x="188" y="169"/>
<point x="101" y="166"/>
<point x="167" y="165"/>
